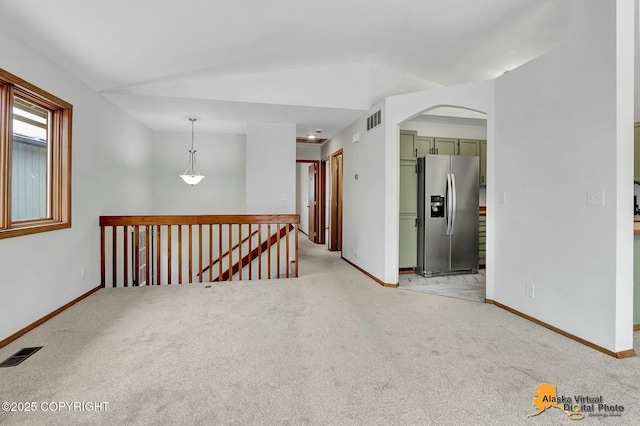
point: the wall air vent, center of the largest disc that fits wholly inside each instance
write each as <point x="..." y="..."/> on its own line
<point x="314" y="140"/>
<point x="374" y="120"/>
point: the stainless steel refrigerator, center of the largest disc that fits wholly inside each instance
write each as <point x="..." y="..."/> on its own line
<point x="447" y="215"/>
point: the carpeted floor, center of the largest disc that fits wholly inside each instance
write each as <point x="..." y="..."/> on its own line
<point x="331" y="347"/>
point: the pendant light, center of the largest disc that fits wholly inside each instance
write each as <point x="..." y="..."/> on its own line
<point x="191" y="175"/>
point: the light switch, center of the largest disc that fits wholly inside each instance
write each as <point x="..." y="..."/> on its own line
<point x="284" y="197"/>
<point x="595" y="197"/>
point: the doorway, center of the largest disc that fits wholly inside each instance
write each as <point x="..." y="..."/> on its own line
<point x="310" y="190"/>
<point x="438" y="132"/>
<point x="332" y="175"/>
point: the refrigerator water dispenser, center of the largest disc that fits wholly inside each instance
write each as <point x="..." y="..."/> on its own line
<point x="437" y="206"/>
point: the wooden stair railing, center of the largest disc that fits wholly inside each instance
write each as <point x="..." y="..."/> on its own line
<point x="262" y="248"/>
<point x="140" y="250"/>
<point x="225" y="254"/>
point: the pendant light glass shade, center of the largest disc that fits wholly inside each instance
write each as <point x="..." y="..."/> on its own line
<point x="191" y="176"/>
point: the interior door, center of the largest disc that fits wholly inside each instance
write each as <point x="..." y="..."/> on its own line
<point x="313" y="203"/>
<point x="339" y="197"/>
<point x="335" y="230"/>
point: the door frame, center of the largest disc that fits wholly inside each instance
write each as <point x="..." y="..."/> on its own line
<point x="319" y="219"/>
<point x="336" y="194"/>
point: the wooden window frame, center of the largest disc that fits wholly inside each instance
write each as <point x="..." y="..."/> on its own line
<point x="59" y="200"/>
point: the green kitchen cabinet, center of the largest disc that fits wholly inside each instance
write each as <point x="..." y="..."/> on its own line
<point x="408" y="144"/>
<point x="636" y="151"/>
<point x="483" y="163"/>
<point x="470" y="147"/>
<point x="482" y="257"/>
<point x="408" y="187"/>
<point x="636" y="279"/>
<point x="408" y="210"/>
<point x="424" y="146"/>
<point x="445" y="146"/>
<point x="408" y="250"/>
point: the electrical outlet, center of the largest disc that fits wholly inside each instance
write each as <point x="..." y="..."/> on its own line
<point x="529" y="290"/>
<point x="595" y="197"/>
<point x="83" y="273"/>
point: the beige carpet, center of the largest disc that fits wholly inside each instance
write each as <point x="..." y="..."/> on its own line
<point x="331" y="347"/>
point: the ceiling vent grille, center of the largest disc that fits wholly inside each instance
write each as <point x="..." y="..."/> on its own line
<point x="374" y="120"/>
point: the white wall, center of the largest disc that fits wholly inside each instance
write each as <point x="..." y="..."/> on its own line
<point x="220" y="158"/>
<point x="302" y="195"/>
<point x="308" y="151"/>
<point x="563" y="128"/>
<point x="271" y="168"/>
<point x="363" y="198"/>
<point x="111" y="151"/>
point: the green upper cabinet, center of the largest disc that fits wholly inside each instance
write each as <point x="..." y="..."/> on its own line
<point x="472" y="148"/>
<point x="636" y="151"/>
<point x="469" y="147"/>
<point x="424" y="146"/>
<point x="408" y="144"/>
<point x="483" y="163"/>
<point x="446" y="146"/>
<point x="408" y="187"/>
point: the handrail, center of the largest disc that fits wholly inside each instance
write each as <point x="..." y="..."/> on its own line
<point x="140" y="250"/>
<point x="239" y="219"/>
<point x="264" y="246"/>
<point x="228" y="251"/>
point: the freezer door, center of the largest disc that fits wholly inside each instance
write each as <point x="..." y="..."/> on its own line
<point x="435" y="249"/>
<point x="464" y="238"/>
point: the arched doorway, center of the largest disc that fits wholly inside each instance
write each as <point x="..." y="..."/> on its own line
<point x="443" y="133"/>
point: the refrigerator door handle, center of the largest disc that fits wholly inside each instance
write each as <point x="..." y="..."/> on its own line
<point x="448" y="198"/>
<point x="455" y="203"/>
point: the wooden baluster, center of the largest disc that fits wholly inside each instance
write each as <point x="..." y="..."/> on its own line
<point x="210" y="250"/>
<point x="147" y="255"/>
<point x="230" y="272"/>
<point x="296" y="238"/>
<point x="114" y="256"/>
<point x="260" y="251"/>
<point x="136" y="256"/>
<point x="125" y="255"/>
<point x="278" y="258"/>
<point x="169" y="255"/>
<point x="269" y="251"/>
<point x="190" y="278"/>
<point x="219" y="252"/>
<point x="158" y="257"/>
<point x="287" y="258"/>
<point x="103" y="269"/>
<point x="240" y="252"/>
<point x="250" y="264"/>
<point x="179" y="254"/>
<point x="200" y="251"/>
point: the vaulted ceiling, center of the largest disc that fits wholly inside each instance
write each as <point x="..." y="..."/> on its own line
<point x="319" y="64"/>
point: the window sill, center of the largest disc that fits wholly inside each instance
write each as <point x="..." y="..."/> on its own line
<point x="33" y="228"/>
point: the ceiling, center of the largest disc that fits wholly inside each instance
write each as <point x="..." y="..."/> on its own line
<point x="319" y="64"/>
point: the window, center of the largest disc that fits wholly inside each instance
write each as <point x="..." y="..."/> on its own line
<point x="35" y="159"/>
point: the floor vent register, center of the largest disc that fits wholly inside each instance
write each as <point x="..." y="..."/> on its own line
<point x="19" y="356"/>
